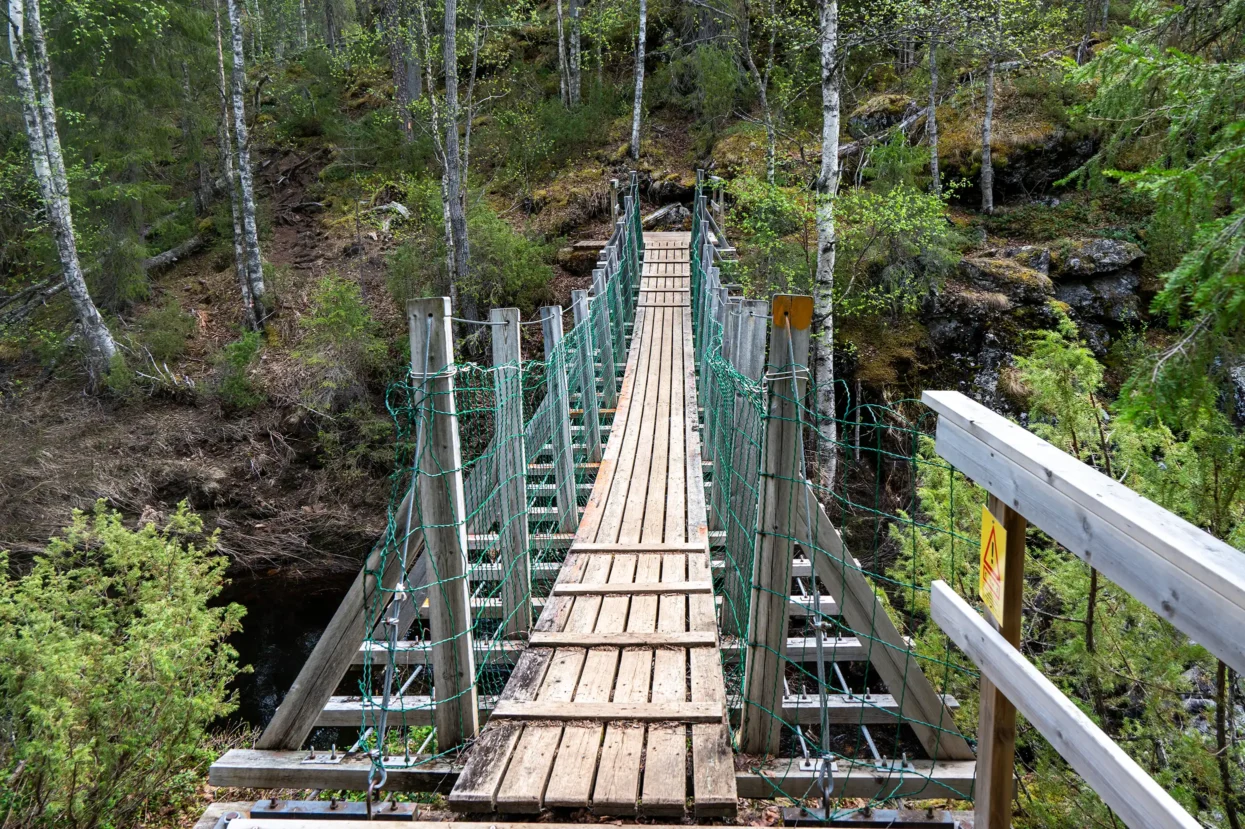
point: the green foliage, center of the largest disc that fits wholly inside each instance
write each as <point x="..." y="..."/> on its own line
<point x="121" y="381"/>
<point x="705" y="82"/>
<point x="341" y="344"/>
<point x="776" y="233"/>
<point x="356" y="444"/>
<point x="1174" y="130"/>
<point x="121" y="280"/>
<point x="164" y="330"/>
<point x="507" y="268"/>
<point x="234" y="386"/>
<point x="894" y="247"/>
<point x="115" y="663"/>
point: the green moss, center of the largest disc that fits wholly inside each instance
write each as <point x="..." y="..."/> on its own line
<point x="886" y="350"/>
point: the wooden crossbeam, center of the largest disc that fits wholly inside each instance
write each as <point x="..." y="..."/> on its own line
<point x="673" y="712"/>
<point x="638" y="547"/>
<point x="794" y="777"/>
<point x="800" y="649"/>
<point x="633" y="589"/>
<point x="688" y="639"/>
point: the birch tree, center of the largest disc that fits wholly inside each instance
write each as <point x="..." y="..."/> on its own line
<point x="576" y="57"/>
<point x="823" y="289"/>
<point x="246" y="185"/>
<point x="455" y="191"/>
<point x="399" y="64"/>
<point x="761" y="79"/>
<point x="250" y="313"/>
<point x="34" y="87"/>
<point x="639" y="81"/>
<point x="1005" y="30"/>
<point x="564" y="74"/>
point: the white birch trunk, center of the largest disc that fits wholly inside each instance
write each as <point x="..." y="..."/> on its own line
<point x="246" y="183"/>
<point x="563" y="72"/>
<point x="225" y="140"/>
<point x="39" y="119"/>
<point x="302" y="24"/>
<point x="823" y="291"/>
<point x="987" y="164"/>
<point x="931" y="115"/>
<point x="454" y="185"/>
<point x="576" y="59"/>
<point x="639" y="81"/>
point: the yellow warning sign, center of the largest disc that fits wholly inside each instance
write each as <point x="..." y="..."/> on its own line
<point x="990" y="579"/>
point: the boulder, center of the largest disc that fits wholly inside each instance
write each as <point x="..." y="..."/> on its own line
<point x="879" y="113"/>
<point x="1106" y="299"/>
<point x="1091" y="257"/>
<point x="996" y="274"/>
<point x="1031" y="256"/>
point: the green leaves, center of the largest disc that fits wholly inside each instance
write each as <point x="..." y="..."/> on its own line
<point x="114" y="666"/>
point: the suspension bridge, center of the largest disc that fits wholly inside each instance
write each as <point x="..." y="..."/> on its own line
<point x="610" y="583"/>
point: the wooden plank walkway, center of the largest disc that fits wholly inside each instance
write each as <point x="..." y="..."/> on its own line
<point x="641" y="659"/>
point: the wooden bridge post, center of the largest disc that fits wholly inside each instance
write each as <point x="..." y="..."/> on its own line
<point x="442" y="512"/>
<point x="560" y="411"/>
<point x="589" y="401"/>
<point x="749" y="360"/>
<point x="516" y="586"/>
<point x="605" y="339"/>
<point x="760" y="729"/>
<point x="996" y="729"/>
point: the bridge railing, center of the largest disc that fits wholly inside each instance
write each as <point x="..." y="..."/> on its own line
<point x="1188" y="577"/>
<point x="493" y="466"/>
<point x="826" y="675"/>
<point x="772" y="522"/>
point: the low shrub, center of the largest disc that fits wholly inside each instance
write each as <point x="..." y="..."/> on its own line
<point x="115" y="662"/>
<point x="234" y="386"/>
<point x="341" y="347"/>
<point x="165" y="330"/>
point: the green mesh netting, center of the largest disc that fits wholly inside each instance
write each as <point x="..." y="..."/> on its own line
<point x="529" y="421"/>
<point x="874" y="503"/>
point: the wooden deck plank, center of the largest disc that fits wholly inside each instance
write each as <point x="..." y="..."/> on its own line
<point x="665" y="766"/>
<point x="632" y="614"/>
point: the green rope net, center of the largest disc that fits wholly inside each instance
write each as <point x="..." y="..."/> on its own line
<point x="520" y="473"/>
<point x="837" y="707"/>
<point x="529" y="456"/>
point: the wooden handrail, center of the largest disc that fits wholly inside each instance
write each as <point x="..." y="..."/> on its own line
<point x="1187" y="576"/>
<point x="1115" y="776"/>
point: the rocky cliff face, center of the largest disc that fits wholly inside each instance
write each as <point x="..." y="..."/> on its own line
<point x="979" y="320"/>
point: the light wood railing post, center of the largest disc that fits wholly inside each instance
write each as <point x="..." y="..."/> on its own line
<point x="560" y="411"/>
<point x="613" y="200"/>
<point x="723" y="437"/>
<point x="749" y="360"/>
<point x="605" y="339"/>
<point x="442" y="513"/>
<point x="996" y="730"/>
<point x="589" y="401"/>
<point x="516" y="587"/>
<point x="761" y="726"/>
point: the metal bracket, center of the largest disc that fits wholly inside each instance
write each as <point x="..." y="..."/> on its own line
<point x="332" y="810"/>
<point x="868" y="818"/>
<point x="330" y="759"/>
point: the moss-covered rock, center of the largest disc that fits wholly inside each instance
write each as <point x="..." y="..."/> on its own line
<point x="878" y="113"/>
<point x="997" y="274"/>
<point x="1072" y="258"/>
